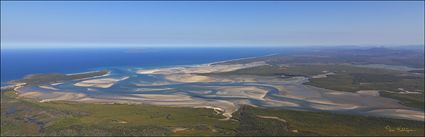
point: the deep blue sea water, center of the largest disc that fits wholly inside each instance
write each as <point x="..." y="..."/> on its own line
<point x="17" y="63"/>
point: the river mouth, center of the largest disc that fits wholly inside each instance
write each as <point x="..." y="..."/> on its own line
<point x="222" y="93"/>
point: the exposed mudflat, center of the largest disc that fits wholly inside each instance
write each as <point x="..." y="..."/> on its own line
<point x="185" y="87"/>
<point x="100" y="83"/>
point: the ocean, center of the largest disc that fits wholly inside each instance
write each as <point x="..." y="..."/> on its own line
<point x="17" y="63"/>
<point x="223" y="92"/>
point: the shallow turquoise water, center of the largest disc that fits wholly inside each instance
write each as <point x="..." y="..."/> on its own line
<point x="16" y="63"/>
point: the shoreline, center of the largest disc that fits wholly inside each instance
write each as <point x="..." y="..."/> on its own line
<point x="224" y="61"/>
<point x="6" y="83"/>
<point x="327" y="102"/>
<point x="221" y="107"/>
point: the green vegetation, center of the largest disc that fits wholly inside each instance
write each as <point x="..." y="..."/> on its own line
<point x="320" y="123"/>
<point x="29" y="117"/>
<point x="39" y="79"/>
<point x="347" y="77"/>
<point x="412" y="100"/>
<point x="391" y="84"/>
<point x="367" y="81"/>
<point x="400" y="57"/>
<point x="306" y="70"/>
<point x="267" y="70"/>
<point x="350" y="79"/>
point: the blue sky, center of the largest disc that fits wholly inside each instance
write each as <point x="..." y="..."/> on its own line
<point x="202" y="24"/>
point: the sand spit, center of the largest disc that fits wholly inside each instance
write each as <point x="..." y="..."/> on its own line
<point x="272" y="117"/>
<point x="152" y="89"/>
<point x="323" y="75"/>
<point x="279" y="103"/>
<point x="100" y="83"/>
<point x="69" y="96"/>
<point x="189" y="78"/>
<point x="178" y="129"/>
<point x="204" y="68"/>
<point x="162" y="98"/>
<point x="226" y="61"/>
<point x="324" y="104"/>
<point x="241" y="91"/>
<point x="48" y="87"/>
<point x="81" y="73"/>
<point x="31" y="94"/>
<point x="403" y="92"/>
<point x="107" y="74"/>
<point x="333" y="106"/>
<point x="144" y="83"/>
<point x="19" y="85"/>
<point x="368" y="92"/>
<point x="51" y="96"/>
<point x="407" y="92"/>
<point x="55" y="84"/>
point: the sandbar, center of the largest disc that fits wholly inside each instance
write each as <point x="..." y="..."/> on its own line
<point x="100" y="83"/>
